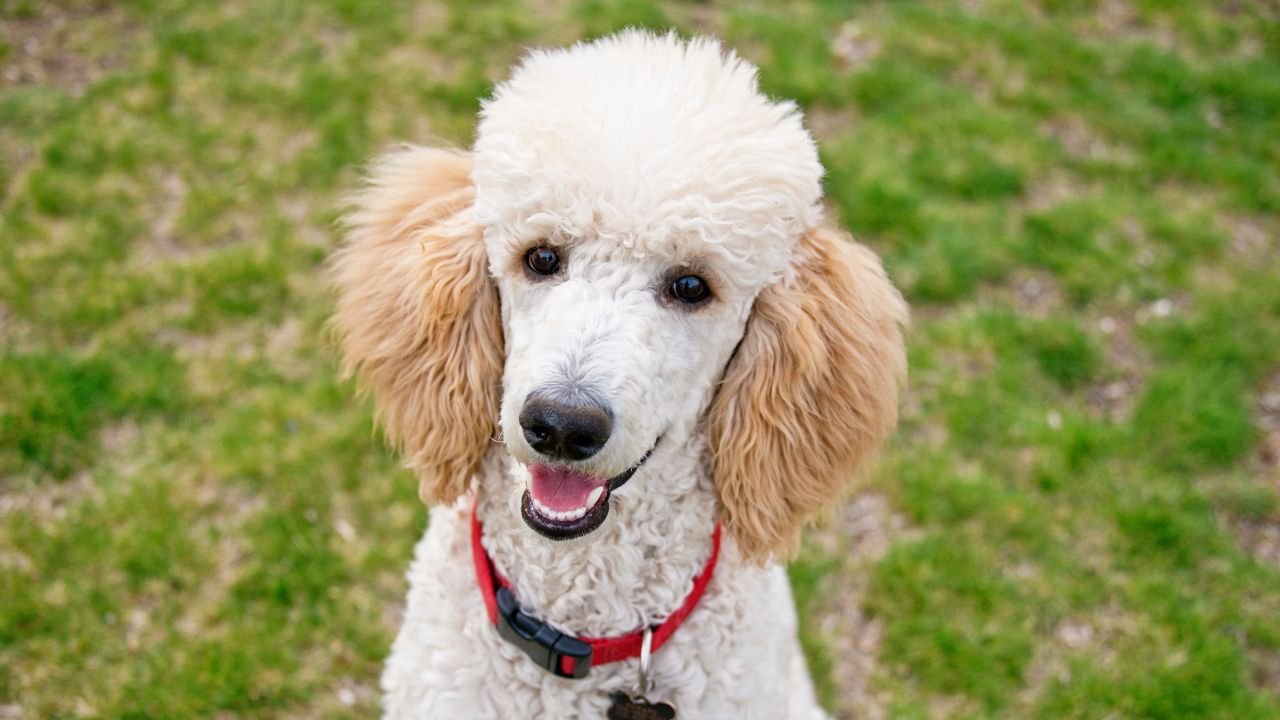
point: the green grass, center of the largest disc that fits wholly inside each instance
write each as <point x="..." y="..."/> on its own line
<point x="1079" y="198"/>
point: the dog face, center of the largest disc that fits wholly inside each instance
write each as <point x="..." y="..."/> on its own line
<point x="632" y="212"/>
<point x="628" y="262"/>
<point x="610" y="352"/>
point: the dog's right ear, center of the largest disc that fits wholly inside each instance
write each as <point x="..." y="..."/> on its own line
<point x="417" y="315"/>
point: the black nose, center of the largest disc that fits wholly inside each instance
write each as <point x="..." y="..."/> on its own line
<point x="561" y="430"/>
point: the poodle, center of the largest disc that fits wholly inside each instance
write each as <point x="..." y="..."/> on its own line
<point x="627" y="359"/>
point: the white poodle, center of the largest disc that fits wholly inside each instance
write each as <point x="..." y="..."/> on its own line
<point x="615" y="327"/>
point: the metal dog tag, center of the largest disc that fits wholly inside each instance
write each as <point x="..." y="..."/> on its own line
<point x="626" y="707"/>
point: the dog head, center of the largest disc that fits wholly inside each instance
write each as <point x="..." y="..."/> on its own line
<point x="630" y="263"/>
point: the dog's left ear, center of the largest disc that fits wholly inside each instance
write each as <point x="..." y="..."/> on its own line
<point x="810" y="394"/>
<point x="418" y="315"/>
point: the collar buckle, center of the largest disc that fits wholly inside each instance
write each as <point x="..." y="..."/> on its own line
<point x="545" y="645"/>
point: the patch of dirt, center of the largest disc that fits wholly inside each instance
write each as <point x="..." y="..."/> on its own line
<point x="1267" y="459"/>
<point x="207" y="355"/>
<point x="393" y="614"/>
<point x="343" y="698"/>
<point x="117" y="437"/>
<point x="1117" y="19"/>
<point x="49" y="501"/>
<point x="351" y="692"/>
<point x="63" y="46"/>
<point x="1260" y="537"/>
<point x="1266" y="670"/>
<point x="285" y="346"/>
<point x="990" y="75"/>
<point x="1097" y="635"/>
<point x="704" y="17"/>
<point x="1052" y="190"/>
<point x="827" y="124"/>
<point x="1114" y="398"/>
<point x="1253" y="239"/>
<point x="862" y="533"/>
<point x="1038" y="294"/>
<point x="1082" y="142"/>
<point x="853" y="47"/>
<point x="1074" y="135"/>
<point x="1075" y="634"/>
<point x="229" y="510"/>
<point x="164" y="243"/>
<point x="69" y="46"/>
<point x="19" y="335"/>
<point x="307" y="230"/>
<point x="1034" y="293"/>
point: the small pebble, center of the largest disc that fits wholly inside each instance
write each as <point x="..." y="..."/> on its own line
<point x="346" y="696"/>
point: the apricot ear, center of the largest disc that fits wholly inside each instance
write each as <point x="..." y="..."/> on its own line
<point x="810" y="395"/>
<point x="417" y="315"/>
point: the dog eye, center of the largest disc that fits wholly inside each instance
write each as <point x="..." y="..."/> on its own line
<point x="542" y="261"/>
<point x="690" y="289"/>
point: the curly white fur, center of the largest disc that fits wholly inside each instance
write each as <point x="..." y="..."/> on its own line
<point x="637" y="156"/>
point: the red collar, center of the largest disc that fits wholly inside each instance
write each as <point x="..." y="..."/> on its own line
<point x="566" y="655"/>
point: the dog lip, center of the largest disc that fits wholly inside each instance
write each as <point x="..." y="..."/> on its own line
<point x="621" y="478"/>
<point x="567" y="530"/>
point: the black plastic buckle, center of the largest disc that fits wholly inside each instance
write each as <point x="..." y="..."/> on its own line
<point x="542" y="643"/>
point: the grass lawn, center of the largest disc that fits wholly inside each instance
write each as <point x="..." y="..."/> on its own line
<point x="1079" y="517"/>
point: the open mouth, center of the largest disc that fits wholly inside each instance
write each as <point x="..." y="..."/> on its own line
<point x="561" y="504"/>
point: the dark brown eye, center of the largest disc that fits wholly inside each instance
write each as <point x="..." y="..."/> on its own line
<point x="690" y="289"/>
<point x="542" y="261"/>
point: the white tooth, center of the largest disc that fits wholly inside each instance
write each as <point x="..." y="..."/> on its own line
<point x="567" y="515"/>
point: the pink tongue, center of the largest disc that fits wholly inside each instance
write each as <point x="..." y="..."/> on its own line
<point x="561" y="489"/>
